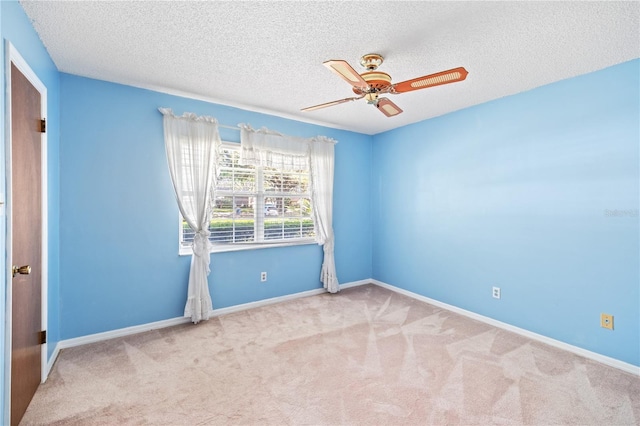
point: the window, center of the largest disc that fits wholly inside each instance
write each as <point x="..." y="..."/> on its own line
<point x="256" y="205"/>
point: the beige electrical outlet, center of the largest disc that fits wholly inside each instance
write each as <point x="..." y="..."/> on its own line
<point x="606" y="321"/>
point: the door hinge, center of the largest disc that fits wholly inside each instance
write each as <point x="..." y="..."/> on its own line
<point x="43" y="125"/>
<point x="42" y="337"/>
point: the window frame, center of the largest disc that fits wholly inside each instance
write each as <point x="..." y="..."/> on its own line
<point x="185" y="250"/>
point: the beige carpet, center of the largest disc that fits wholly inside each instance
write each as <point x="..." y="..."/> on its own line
<point x="366" y="356"/>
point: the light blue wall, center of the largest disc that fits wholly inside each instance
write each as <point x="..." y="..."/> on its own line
<point x="16" y="27"/>
<point x="119" y="219"/>
<point x="518" y="193"/>
<point x="512" y="193"/>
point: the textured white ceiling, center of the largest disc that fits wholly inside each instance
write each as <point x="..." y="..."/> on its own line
<point x="267" y="56"/>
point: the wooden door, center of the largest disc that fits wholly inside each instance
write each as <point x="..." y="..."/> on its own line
<point x="26" y="228"/>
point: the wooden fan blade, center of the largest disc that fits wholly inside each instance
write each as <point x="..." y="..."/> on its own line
<point x="345" y="71"/>
<point x="328" y="104"/>
<point x="387" y="107"/>
<point x="431" y="80"/>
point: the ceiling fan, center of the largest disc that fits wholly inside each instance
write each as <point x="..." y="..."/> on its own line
<point x="370" y="84"/>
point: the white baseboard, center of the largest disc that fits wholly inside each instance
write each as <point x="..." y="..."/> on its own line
<point x="355" y="283"/>
<point x="265" y="302"/>
<point x="121" y="332"/>
<point x="256" y="304"/>
<point x="99" y="337"/>
<point x="52" y="360"/>
<point x="612" y="362"/>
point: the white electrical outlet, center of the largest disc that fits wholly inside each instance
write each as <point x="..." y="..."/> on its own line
<point x="496" y="292"/>
<point x="263" y="276"/>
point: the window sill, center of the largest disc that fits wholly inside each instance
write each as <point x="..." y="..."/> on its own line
<point x="223" y="248"/>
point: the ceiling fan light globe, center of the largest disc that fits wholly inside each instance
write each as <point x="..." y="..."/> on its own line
<point x="371" y="97"/>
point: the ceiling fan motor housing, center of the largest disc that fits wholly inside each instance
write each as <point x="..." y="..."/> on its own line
<point x="378" y="82"/>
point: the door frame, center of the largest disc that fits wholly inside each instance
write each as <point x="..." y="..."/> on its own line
<point x="12" y="56"/>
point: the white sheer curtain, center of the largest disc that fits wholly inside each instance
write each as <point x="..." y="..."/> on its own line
<point x="271" y="149"/>
<point x="191" y="143"/>
<point x="321" y="161"/>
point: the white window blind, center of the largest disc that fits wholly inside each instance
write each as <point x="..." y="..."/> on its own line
<point x="254" y="205"/>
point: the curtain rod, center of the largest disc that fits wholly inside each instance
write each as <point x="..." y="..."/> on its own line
<point x="224" y="126"/>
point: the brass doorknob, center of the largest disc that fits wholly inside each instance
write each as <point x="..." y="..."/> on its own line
<point x="24" y="270"/>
